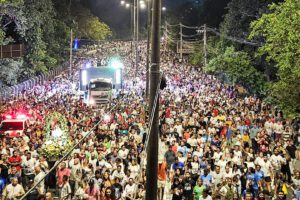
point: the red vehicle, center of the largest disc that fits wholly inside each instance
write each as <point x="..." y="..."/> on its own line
<point x="13" y="126"/>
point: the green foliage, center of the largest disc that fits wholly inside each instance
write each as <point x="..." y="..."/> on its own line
<point x="11" y="2"/>
<point x="197" y="58"/>
<point x="90" y="26"/>
<point x="280" y="28"/>
<point x="237" y="67"/>
<point x="44" y="28"/>
<point x="2" y="36"/>
<point x="10" y="70"/>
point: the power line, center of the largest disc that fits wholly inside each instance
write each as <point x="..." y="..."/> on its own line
<point x="213" y="30"/>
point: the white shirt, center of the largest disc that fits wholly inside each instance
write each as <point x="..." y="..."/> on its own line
<point x="41" y="186"/>
<point x="13" y="191"/>
<point x="217" y="156"/>
<point x="266" y="167"/>
<point x="129" y="189"/>
<point x="276" y="161"/>
<point x="217" y="178"/>
<point x="206" y="198"/>
<point x="29" y="164"/>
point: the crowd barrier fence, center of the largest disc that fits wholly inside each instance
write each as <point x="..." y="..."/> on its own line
<point x="16" y="90"/>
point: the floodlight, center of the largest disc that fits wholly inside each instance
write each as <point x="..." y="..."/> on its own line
<point x="84" y="77"/>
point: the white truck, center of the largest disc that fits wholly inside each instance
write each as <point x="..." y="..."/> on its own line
<point x="99" y="91"/>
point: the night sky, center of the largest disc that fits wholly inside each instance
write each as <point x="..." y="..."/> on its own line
<point x="118" y="17"/>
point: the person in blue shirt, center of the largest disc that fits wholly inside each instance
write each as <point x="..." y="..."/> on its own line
<point x="206" y="178"/>
<point x="178" y="165"/>
<point x="183" y="149"/>
<point x="258" y="177"/>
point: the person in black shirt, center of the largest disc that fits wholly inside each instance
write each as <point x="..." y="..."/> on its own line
<point x="3" y="169"/>
<point x="291" y="149"/>
<point x="117" y="188"/>
<point x="188" y="185"/>
<point x="177" y="189"/>
<point x="34" y="194"/>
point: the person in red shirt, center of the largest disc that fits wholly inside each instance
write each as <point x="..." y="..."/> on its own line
<point x="168" y="113"/>
<point x="162" y="178"/>
<point x="15" y="160"/>
<point x="60" y="173"/>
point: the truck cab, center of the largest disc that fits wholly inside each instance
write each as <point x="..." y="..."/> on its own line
<point x="99" y="91"/>
<point x="13" y="127"/>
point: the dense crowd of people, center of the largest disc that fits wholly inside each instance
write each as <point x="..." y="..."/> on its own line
<point x="213" y="144"/>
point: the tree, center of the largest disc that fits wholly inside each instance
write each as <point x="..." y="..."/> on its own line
<point x="90" y="26"/>
<point x="237" y="67"/>
<point x="280" y="29"/>
<point x="44" y="26"/>
<point x="10" y="70"/>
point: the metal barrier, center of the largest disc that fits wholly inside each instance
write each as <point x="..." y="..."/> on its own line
<point x="14" y="91"/>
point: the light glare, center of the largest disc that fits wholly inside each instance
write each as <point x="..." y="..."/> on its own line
<point x="143" y="6"/>
<point x="118" y="76"/>
<point x="84" y="77"/>
<point x="106" y="117"/>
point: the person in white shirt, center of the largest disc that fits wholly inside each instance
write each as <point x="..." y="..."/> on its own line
<point x="123" y="152"/>
<point x="118" y="173"/>
<point x="39" y="175"/>
<point x="266" y="167"/>
<point x="228" y="172"/>
<point x="217" y="155"/>
<point x="75" y="174"/>
<point x="278" y="130"/>
<point x="237" y="156"/>
<point x="28" y="164"/>
<point x="134" y="168"/>
<point x="205" y="195"/>
<point x="13" y="190"/>
<point x="276" y="161"/>
<point x="217" y="177"/>
<point x="129" y="189"/>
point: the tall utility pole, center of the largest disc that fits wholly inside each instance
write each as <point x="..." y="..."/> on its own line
<point x="137" y="36"/>
<point x="205" y="46"/>
<point x="71" y="44"/>
<point x="149" y="4"/>
<point x="152" y="148"/>
<point x="181" y="41"/>
<point x="134" y="21"/>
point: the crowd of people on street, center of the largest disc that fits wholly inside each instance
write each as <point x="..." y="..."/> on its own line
<point x="214" y="144"/>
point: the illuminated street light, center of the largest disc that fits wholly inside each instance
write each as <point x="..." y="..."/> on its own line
<point x="143" y="6"/>
<point x="164" y="8"/>
<point x="123" y="2"/>
<point x="127" y="5"/>
<point x="142" y="2"/>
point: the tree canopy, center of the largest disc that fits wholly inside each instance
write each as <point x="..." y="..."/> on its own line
<point x="44" y="26"/>
<point x="237" y="67"/>
<point x="280" y="30"/>
<point x="89" y="26"/>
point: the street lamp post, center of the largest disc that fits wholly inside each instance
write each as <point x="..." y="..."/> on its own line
<point x="149" y="15"/>
<point x="134" y="5"/>
<point x="152" y="147"/>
